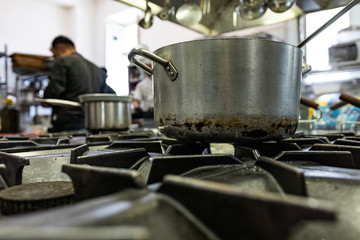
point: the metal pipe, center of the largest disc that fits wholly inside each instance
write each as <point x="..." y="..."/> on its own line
<point x="328" y="23"/>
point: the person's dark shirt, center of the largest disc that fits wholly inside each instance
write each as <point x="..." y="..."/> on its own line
<point x="70" y="77"/>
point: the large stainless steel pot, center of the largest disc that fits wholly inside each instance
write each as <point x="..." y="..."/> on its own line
<point x="229" y="90"/>
<point x="225" y="89"/>
<point x="106" y="111"/>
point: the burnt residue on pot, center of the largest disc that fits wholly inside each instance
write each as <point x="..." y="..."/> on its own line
<point x="237" y="100"/>
<point x="228" y="129"/>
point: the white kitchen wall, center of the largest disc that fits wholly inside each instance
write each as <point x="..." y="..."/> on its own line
<point x="355" y="15"/>
<point x="29" y="26"/>
<point x="103" y="9"/>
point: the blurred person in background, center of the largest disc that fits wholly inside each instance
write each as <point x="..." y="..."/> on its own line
<point x="143" y="96"/>
<point x="71" y="76"/>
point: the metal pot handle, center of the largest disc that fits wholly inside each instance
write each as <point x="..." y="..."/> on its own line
<point x="305" y="69"/>
<point x="168" y="66"/>
<point x="350" y="99"/>
<point x="311" y="104"/>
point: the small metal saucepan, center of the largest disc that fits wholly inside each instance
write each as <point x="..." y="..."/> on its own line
<point x="102" y="111"/>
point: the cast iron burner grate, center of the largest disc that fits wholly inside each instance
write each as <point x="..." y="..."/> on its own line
<point x="191" y="191"/>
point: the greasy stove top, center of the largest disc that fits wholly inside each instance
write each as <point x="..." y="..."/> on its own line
<point x="142" y="185"/>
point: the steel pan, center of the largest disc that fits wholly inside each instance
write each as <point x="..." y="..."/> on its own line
<point x="225" y="90"/>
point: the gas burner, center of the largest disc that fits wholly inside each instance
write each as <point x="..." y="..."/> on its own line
<point x="31" y="197"/>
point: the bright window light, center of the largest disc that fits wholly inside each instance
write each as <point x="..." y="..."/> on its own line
<point x="317" y="50"/>
<point x="120" y="36"/>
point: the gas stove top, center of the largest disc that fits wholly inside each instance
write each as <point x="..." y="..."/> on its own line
<point x="140" y="184"/>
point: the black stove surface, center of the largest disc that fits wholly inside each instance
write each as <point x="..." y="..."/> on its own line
<point x="305" y="187"/>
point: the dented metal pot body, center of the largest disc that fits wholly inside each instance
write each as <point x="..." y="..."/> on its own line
<point x="227" y="90"/>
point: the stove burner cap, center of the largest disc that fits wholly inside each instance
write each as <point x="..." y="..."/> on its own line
<point x="35" y="196"/>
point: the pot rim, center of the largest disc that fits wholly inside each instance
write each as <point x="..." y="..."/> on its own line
<point x="229" y="39"/>
<point x="103" y="97"/>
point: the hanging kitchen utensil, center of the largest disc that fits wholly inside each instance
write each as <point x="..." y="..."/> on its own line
<point x="147" y="21"/>
<point x="227" y="90"/>
<point x="251" y="9"/>
<point x="188" y="14"/>
<point x="168" y="11"/>
<point x="280" y="6"/>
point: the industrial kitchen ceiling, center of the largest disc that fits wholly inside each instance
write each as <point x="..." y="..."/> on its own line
<point x="214" y="17"/>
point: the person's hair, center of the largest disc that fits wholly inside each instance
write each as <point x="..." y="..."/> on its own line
<point x="62" y="40"/>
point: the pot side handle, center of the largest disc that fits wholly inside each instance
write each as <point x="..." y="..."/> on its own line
<point x="305" y="69"/>
<point x="350" y="99"/>
<point x="337" y="105"/>
<point x="309" y="103"/>
<point x="167" y="65"/>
